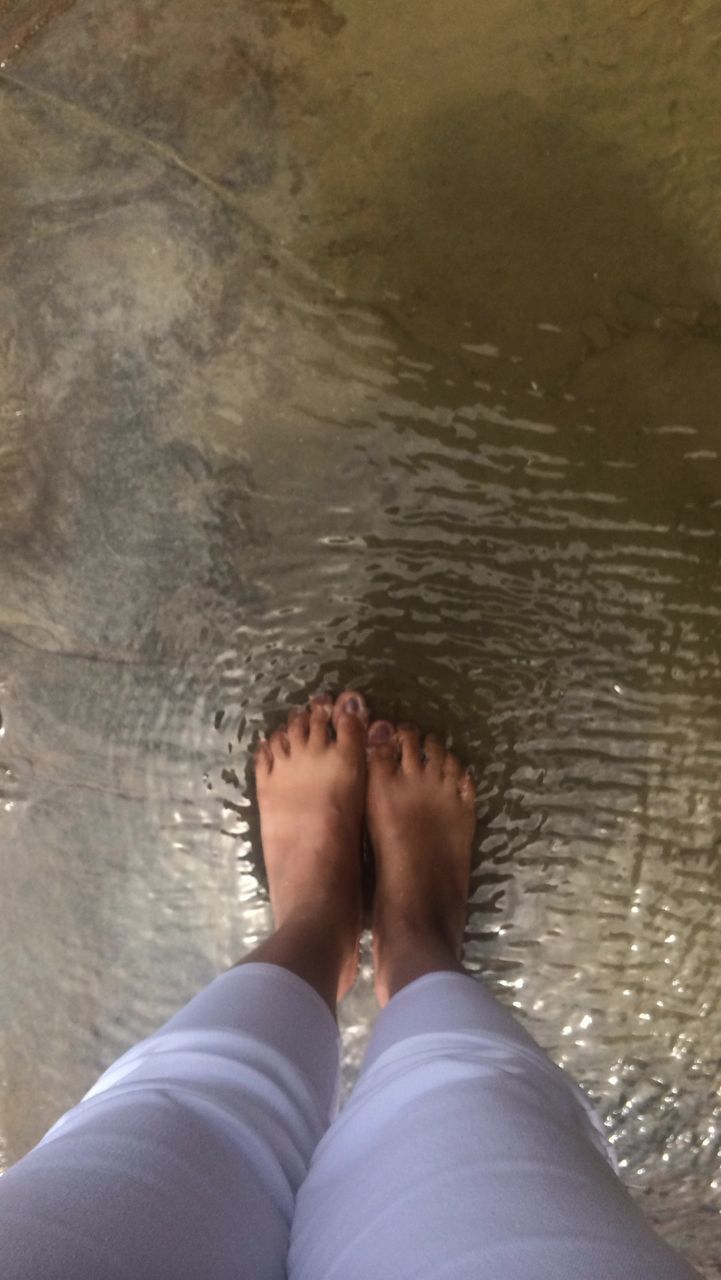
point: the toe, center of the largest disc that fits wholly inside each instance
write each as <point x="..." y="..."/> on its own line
<point x="322" y="700"/>
<point x="382" y="762"/>
<point x="350" y="702"/>
<point x="467" y="790"/>
<point x="382" y="734"/>
<point x="350" y="719"/>
<point x="434" y="750"/>
<point x="452" y="768"/>
<point x="409" y="741"/>
<point x="263" y="760"/>
<point x="350" y="732"/>
<point x="298" y="723"/>
<point x="279" y="744"/>
<point x="382" y="748"/>
<point x="319" y="720"/>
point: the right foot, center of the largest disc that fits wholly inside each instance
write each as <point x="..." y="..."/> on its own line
<point x="311" y="791"/>
<point x="420" y="810"/>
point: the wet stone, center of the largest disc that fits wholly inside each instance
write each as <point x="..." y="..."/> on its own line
<point x="597" y="331"/>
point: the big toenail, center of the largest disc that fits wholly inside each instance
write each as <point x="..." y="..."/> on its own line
<point x="352" y="705"/>
<point x="382" y="732"/>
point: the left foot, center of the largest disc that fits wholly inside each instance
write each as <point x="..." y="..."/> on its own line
<point x="311" y="794"/>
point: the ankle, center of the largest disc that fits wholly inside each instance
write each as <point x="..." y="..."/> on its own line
<point x="418" y="928"/>
<point x="410" y="952"/>
<point x="319" y="922"/>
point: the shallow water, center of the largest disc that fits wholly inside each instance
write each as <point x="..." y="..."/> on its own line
<point x="343" y="346"/>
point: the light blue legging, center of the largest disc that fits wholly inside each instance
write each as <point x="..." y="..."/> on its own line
<point x="205" y="1153"/>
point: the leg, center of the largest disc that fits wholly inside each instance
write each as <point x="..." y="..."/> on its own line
<point x="185" y="1158"/>
<point x="463" y="1152"/>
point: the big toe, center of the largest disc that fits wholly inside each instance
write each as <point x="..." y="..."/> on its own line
<point x="350" y="703"/>
<point x="382" y="747"/>
<point x="350" y="721"/>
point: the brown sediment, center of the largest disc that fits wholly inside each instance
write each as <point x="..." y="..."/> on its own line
<point x="315" y="13"/>
<point x="21" y="20"/>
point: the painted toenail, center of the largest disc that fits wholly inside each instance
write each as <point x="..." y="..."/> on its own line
<point x="352" y="706"/>
<point x="381" y="732"/>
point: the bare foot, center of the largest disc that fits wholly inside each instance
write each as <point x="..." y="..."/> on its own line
<point x="420" y="810"/>
<point x="311" y="793"/>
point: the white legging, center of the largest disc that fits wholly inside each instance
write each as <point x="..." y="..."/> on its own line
<point x="205" y="1153"/>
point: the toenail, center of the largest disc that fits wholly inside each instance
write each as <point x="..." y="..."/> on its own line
<point x="381" y="732"/>
<point x="352" y="706"/>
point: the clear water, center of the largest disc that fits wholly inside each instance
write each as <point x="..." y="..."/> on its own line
<point x="347" y="343"/>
